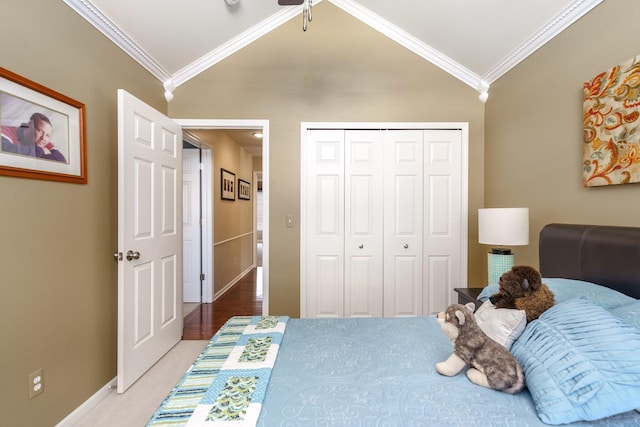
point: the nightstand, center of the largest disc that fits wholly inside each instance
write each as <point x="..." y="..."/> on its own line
<point x="466" y="295"/>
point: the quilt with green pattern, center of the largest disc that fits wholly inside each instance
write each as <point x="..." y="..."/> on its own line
<point x="226" y="384"/>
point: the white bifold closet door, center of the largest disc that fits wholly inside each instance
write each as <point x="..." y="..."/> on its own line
<point x="444" y="242"/>
<point x="403" y="192"/>
<point x="363" y="227"/>
<point x="382" y="220"/>
<point x="324" y="201"/>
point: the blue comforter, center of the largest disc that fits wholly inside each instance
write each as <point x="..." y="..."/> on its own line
<point x="381" y="372"/>
<point x="351" y="372"/>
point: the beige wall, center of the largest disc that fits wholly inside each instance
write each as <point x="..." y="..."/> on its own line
<point x="257" y="163"/>
<point x="58" y="281"/>
<point x="339" y="70"/>
<point x="533" y="148"/>
<point x="57" y="278"/>
<point x="233" y="220"/>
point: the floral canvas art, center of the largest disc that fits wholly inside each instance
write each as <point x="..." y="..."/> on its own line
<point x="611" y="117"/>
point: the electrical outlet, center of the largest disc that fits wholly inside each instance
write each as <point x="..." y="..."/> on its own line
<point x="36" y="383"/>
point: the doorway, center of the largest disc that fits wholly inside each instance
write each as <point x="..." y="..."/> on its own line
<point x="208" y="168"/>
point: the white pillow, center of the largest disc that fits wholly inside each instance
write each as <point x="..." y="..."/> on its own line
<point x="503" y="325"/>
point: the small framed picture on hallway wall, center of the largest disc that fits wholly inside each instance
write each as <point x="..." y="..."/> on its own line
<point x="244" y="190"/>
<point x="227" y="185"/>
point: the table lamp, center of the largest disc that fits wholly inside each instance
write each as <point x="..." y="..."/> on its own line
<point x="502" y="227"/>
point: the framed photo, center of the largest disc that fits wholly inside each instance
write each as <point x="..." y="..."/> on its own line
<point x="43" y="132"/>
<point x="227" y="185"/>
<point x="244" y="190"/>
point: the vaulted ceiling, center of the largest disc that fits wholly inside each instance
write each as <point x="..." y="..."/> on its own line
<point x="477" y="41"/>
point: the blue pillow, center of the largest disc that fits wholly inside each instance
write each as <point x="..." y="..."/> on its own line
<point x="488" y="291"/>
<point x="580" y="363"/>
<point x="565" y="289"/>
<point x="630" y="313"/>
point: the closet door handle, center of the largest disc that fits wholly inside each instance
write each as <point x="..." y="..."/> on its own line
<point x="361" y="246"/>
<point x="406" y="246"/>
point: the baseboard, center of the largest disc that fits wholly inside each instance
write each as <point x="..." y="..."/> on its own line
<point x="231" y="283"/>
<point x="88" y="405"/>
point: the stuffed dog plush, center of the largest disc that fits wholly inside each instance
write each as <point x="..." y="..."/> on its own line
<point x="521" y="288"/>
<point x="492" y="365"/>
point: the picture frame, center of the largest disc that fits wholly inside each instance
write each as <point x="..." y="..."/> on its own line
<point x="43" y="132"/>
<point x="244" y="189"/>
<point x="227" y="185"/>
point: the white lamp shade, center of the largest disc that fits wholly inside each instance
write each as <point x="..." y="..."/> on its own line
<point x="503" y="226"/>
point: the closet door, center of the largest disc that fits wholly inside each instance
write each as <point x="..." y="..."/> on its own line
<point x="403" y="195"/>
<point x="324" y="249"/>
<point x="384" y="216"/>
<point x="443" y="221"/>
<point x="363" y="224"/>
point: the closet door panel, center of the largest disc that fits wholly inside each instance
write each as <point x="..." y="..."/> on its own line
<point x="362" y="297"/>
<point x="324" y="251"/>
<point x="328" y="290"/>
<point x="407" y="289"/>
<point x="363" y="224"/>
<point x="403" y="223"/>
<point x="442" y="217"/>
<point x="437" y="272"/>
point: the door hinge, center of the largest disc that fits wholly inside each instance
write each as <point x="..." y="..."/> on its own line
<point x="201" y="166"/>
<point x="201" y="221"/>
<point x="201" y="276"/>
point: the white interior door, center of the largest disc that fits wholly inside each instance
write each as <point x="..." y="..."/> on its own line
<point x="416" y="186"/>
<point x="443" y="218"/>
<point x="191" y="220"/>
<point x="363" y="275"/>
<point x="149" y="237"/>
<point x="403" y="190"/>
<point x="324" y="255"/>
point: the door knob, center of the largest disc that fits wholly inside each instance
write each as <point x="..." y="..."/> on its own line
<point x="131" y="255"/>
<point x="117" y="256"/>
<point x="406" y="246"/>
<point x="361" y="246"/>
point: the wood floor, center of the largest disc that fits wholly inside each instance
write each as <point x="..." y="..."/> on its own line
<point x="243" y="299"/>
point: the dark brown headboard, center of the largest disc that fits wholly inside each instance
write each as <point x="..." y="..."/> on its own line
<point x="606" y="255"/>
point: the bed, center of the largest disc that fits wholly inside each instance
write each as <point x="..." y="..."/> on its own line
<point x="581" y="358"/>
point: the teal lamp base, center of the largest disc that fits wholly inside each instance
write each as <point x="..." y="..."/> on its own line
<point x="498" y="264"/>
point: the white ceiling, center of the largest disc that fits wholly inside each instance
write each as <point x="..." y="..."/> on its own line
<point x="477" y="41"/>
<point x="244" y="137"/>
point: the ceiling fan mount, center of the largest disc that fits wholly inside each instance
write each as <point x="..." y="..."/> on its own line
<point x="306" y="11"/>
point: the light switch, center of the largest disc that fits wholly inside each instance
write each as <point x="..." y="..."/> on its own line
<point x="289" y="221"/>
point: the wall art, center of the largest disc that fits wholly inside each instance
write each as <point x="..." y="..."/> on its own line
<point x="227" y="185"/>
<point x="244" y="190"/>
<point x="43" y="132"/>
<point x="611" y="135"/>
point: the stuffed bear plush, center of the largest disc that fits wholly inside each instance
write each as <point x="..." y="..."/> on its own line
<point x="492" y="365"/>
<point x="521" y="288"/>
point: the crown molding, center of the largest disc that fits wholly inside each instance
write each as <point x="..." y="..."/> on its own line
<point x="568" y="16"/>
<point x="560" y="22"/>
<point x="234" y="45"/>
<point x="415" y="45"/>
<point x="95" y="17"/>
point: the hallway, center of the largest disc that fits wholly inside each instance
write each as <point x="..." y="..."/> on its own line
<point x="243" y="299"/>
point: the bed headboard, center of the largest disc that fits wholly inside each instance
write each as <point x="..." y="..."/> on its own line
<point x="605" y="255"/>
